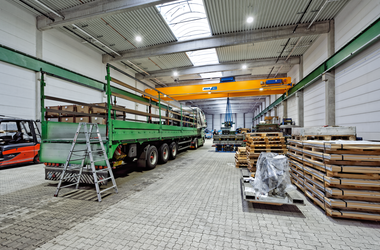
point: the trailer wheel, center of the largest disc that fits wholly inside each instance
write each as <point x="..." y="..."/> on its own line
<point x="196" y="143"/>
<point x="173" y="150"/>
<point x="163" y="153"/>
<point x="152" y="157"/>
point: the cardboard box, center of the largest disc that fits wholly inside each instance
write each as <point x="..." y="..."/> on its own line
<point x="82" y="119"/>
<point x="68" y="108"/>
<point x="67" y="119"/>
<point x="104" y="111"/>
<point x="52" y="114"/>
<point x="83" y="109"/>
<point x="99" y="110"/>
<point x="98" y="120"/>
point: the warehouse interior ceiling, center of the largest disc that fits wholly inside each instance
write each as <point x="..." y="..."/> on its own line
<point x="182" y="42"/>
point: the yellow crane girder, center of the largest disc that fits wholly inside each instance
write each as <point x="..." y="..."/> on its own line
<point x="227" y="89"/>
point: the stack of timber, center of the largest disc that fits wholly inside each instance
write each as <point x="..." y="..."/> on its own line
<point x="263" y="142"/>
<point x="342" y="177"/>
<point x="241" y="157"/>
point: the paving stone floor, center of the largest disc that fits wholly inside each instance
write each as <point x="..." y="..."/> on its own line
<point x="193" y="202"/>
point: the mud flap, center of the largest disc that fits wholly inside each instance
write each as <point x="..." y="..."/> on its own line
<point x="141" y="162"/>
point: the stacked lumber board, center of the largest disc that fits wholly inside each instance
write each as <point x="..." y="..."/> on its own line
<point x="241" y="157"/>
<point x="263" y="142"/>
<point x="342" y="177"/>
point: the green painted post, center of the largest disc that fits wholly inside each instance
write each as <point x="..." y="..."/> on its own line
<point x="109" y="121"/>
<point x="159" y="112"/>
<point x="43" y="109"/>
<point x="181" y="117"/>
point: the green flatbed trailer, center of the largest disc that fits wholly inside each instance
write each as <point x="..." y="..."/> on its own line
<point x="144" y="143"/>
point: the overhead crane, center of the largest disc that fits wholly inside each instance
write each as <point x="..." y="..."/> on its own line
<point x="273" y="86"/>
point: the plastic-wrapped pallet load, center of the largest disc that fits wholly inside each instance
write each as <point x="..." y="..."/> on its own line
<point x="272" y="176"/>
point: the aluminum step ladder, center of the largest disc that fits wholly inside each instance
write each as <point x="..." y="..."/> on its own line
<point x="87" y="156"/>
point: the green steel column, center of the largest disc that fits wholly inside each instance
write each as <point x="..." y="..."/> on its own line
<point x="109" y="121"/>
<point x="43" y="109"/>
<point x="159" y="112"/>
<point x="181" y="116"/>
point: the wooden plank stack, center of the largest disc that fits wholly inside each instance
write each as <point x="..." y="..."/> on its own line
<point x="263" y="142"/>
<point x="241" y="157"/>
<point x="342" y="177"/>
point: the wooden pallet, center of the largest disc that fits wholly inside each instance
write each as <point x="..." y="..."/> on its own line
<point x="241" y="165"/>
<point x="353" y="172"/>
<point x="324" y="137"/>
<point x="337" y="182"/>
<point x="264" y="134"/>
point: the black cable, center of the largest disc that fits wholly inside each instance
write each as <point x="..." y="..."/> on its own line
<point x="294" y="30"/>
<point x="30" y="6"/>
<point x="88" y="41"/>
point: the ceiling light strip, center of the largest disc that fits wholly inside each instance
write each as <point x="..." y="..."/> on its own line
<point x="49" y="9"/>
<point x="96" y="40"/>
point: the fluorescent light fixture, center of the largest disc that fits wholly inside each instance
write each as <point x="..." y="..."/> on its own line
<point x="244" y="66"/>
<point x="96" y="40"/>
<point x="211" y="75"/>
<point x="165" y="96"/>
<point x="203" y="57"/>
<point x="138" y="38"/>
<point x="250" y="19"/>
<point x="209" y="92"/>
<point x="175" y="73"/>
<point x="261" y="89"/>
<point x="49" y="9"/>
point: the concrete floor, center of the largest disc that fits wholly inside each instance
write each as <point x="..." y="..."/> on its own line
<point x="193" y="202"/>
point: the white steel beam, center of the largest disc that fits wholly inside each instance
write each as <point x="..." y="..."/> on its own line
<point x="270" y="62"/>
<point x="94" y="9"/>
<point x="262" y="35"/>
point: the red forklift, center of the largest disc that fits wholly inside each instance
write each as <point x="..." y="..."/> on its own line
<point x="19" y="141"/>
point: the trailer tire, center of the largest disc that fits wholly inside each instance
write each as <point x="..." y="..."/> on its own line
<point x="152" y="157"/>
<point x="173" y="149"/>
<point x="163" y="153"/>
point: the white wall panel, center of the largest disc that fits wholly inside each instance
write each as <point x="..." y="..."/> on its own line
<point x="293" y="109"/>
<point x="353" y="18"/>
<point x="294" y="74"/>
<point x="209" y="122"/>
<point x="248" y="120"/>
<point x="239" y="123"/>
<point x="280" y="114"/>
<point x="17" y="28"/>
<point x="357" y="86"/>
<point x="63" y="50"/>
<point x="17" y="92"/>
<point x="315" y="55"/>
<point x="314" y="104"/>
<point x="217" y="122"/>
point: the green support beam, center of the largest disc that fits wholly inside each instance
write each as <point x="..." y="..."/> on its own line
<point x="29" y="62"/>
<point x="357" y="44"/>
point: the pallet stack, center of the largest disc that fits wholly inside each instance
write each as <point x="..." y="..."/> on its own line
<point x="342" y="177"/>
<point x="263" y="142"/>
<point x="241" y="157"/>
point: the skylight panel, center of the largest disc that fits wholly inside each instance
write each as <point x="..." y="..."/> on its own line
<point x="212" y="75"/>
<point x="203" y="57"/>
<point x="186" y="18"/>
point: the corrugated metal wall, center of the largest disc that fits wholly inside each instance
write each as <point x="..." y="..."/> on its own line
<point x="357" y="86"/>
<point x="314" y="104"/>
<point x="293" y="109"/>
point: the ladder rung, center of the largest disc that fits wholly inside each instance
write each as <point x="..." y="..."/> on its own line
<point x="104" y="170"/>
<point x="77" y="159"/>
<point x="106" y="179"/>
<point x="106" y="189"/>
<point x="72" y="184"/>
<point x="99" y="160"/>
